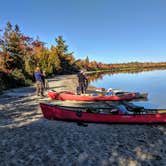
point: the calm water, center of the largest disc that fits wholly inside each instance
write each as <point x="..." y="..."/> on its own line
<point x="152" y="82"/>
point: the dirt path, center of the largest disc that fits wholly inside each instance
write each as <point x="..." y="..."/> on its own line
<point x="26" y="138"/>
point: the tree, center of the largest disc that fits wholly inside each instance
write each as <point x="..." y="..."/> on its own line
<point x="62" y="53"/>
<point x="54" y="65"/>
<point x="86" y="62"/>
<point x="40" y="53"/>
<point x="11" y="49"/>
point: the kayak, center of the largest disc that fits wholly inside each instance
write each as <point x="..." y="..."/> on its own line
<point x="120" y="92"/>
<point x="101" y="115"/>
<point x="87" y="97"/>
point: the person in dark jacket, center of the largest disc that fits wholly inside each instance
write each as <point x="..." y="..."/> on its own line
<point x="82" y="82"/>
<point x="39" y="82"/>
<point x="45" y="81"/>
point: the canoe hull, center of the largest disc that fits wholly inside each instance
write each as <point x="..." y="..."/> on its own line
<point x="72" y="96"/>
<point x="54" y="112"/>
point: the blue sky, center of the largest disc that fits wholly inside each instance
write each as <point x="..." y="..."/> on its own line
<point x="110" y="31"/>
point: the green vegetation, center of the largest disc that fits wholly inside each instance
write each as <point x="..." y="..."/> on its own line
<point x="20" y="55"/>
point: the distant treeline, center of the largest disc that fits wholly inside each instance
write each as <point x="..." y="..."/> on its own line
<point x="21" y="54"/>
<point x="138" y="66"/>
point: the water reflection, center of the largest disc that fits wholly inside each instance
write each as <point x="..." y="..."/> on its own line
<point x="152" y="82"/>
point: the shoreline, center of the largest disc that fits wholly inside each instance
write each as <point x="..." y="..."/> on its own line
<point x="29" y="139"/>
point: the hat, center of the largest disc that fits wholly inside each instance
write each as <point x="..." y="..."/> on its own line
<point x="109" y="90"/>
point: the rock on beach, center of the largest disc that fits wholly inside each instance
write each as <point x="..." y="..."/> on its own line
<point x="26" y="138"/>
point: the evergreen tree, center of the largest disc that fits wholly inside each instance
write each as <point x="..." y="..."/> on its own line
<point x="86" y="63"/>
<point x="62" y="49"/>
<point x="61" y="46"/>
<point x="11" y="48"/>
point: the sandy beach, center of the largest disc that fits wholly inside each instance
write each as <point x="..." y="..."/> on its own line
<point x="26" y="138"/>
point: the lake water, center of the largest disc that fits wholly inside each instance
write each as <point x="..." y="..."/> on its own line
<point x="152" y="82"/>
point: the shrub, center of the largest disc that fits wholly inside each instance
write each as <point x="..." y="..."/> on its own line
<point x="13" y="80"/>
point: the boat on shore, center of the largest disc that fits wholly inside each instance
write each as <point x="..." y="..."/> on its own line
<point x="120" y="92"/>
<point x="88" y="97"/>
<point x="101" y="115"/>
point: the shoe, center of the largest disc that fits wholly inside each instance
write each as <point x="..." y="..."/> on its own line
<point x="82" y="124"/>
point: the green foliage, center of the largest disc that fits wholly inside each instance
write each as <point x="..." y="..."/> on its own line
<point x="7" y="81"/>
<point x="12" y="50"/>
<point x="54" y="64"/>
<point x="13" y="80"/>
<point x="18" y="75"/>
<point x="66" y="59"/>
<point x="62" y="48"/>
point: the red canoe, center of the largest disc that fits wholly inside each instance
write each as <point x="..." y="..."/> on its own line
<point x="72" y="96"/>
<point x="55" y="112"/>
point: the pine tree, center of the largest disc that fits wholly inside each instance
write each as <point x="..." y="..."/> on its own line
<point x="11" y="48"/>
<point x="86" y="63"/>
<point x="62" y="49"/>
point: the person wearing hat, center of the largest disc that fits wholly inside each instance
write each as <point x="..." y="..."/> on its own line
<point x="109" y="92"/>
<point x="39" y="82"/>
<point x="82" y="82"/>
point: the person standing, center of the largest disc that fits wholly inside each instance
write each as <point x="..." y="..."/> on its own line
<point x="85" y="82"/>
<point x="39" y="82"/>
<point x="45" y="81"/>
<point x="82" y="82"/>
